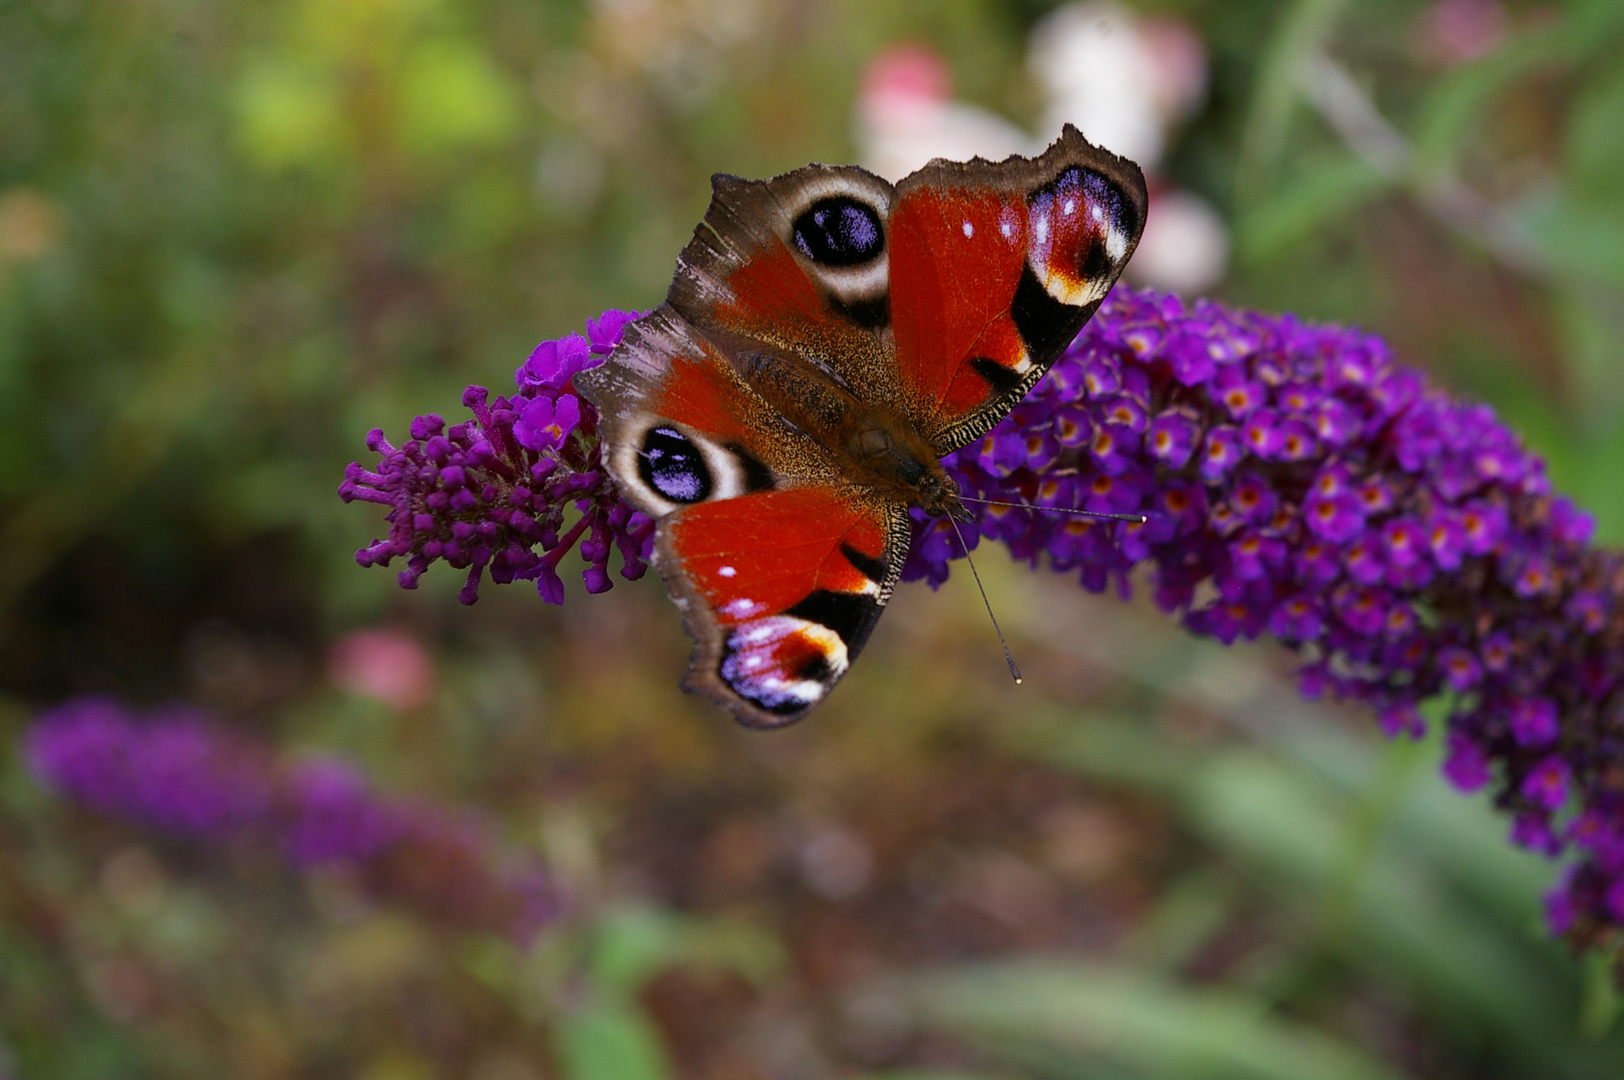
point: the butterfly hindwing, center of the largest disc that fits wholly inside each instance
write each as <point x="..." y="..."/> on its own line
<point x="780" y="590"/>
<point x="994" y="268"/>
<point x="780" y="566"/>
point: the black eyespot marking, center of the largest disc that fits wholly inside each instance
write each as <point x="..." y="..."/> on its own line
<point x="672" y="465"/>
<point x="867" y="565"/>
<point x="850" y="615"/>
<point x="816" y="669"/>
<point x="766" y="686"/>
<point x="839" y="231"/>
<point x="872" y="314"/>
<point x="757" y="477"/>
<point x="1000" y="378"/>
<point x="1119" y="209"/>
<point x="1044" y="323"/>
<point x="766" y="694"/>
<point x="1095" y="263"/>
<point x="778" y="704"/>
<point x="1097" y="191"/>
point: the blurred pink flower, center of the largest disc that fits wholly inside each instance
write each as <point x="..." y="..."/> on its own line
<point x="385" y="665"/>
<point x="904" y="76"/>
<point x="906" y="116"/>
<point x="1452" y="32"/>
<point x="1178" y="62"/>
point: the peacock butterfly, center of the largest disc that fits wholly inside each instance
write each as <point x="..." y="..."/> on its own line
<point x="826" y="339"/>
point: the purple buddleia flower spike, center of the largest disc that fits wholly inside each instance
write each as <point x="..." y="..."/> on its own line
<point x="485" y="494"/>
<point x="1403" y="542"/>
<point x="182" y="774"/>
<point x="1297" y="480"/>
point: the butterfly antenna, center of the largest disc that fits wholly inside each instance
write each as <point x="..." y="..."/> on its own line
<point x="1137" y="519"/>
<point x="1015" y="672"/>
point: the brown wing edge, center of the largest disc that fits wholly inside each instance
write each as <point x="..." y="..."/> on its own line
<point x="703" y="677"/>
<point x="1027" y="175"/>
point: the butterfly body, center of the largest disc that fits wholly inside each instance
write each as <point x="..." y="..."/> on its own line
<point x="826" y="340"/>
<point x="876" y="443"/>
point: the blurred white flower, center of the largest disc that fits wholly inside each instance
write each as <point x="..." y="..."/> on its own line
<point x="906" y="117"/>
<point x="1185" y="247"/>
<point x="1099" y="73"/>
<point x="1124" y="80"/>
<point x="1178" y="66"/>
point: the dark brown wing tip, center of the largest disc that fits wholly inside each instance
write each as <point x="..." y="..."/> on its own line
<point x="727" y="181"/>
<point x="702" y="683"/>
<point x="755" y="720"/>
<point x="1070" y="133"/>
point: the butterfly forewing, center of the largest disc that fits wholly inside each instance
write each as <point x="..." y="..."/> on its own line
<point x="995" y="267"/>
<point x="796" y="264"/>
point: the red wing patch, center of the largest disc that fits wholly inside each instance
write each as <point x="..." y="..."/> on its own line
<point x="796" y="264"/>
<point x="791" y="581"/>
<point x="993" y="273"/>
<point x="956" y="260"/>
<point x="703" y="395"/>
<point x="765" y="553"/>
<point x="774" y="301"/>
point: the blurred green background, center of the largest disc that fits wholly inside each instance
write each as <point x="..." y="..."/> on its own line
<point x="234" y="236"/>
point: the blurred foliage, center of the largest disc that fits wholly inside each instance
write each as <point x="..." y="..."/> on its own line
<point x="234" y="236"/>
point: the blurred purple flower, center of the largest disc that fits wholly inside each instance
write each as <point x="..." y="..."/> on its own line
<point x="1297" y="481"/>
<point x="178" y="772"/>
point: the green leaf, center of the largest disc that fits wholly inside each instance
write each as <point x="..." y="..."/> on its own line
<point x="1314" y="198"/>
<point x="1458" y="103"/>
<point x="634" y="944"/>
<point x="289" y="116"/>
<point x="1601" y="1002"/>
<point x="1583" y="239"/>
<point x="1146" y="1025"/>
<point x="928" y="1074"/>
<point x="1302" y="30"/>
<point x="1595" y="150"/>
<point x="1118" y="749"/>
<point x="609" y="1040"/>
<point x="1401" y="918"/>
<point x="452" y="96"/>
